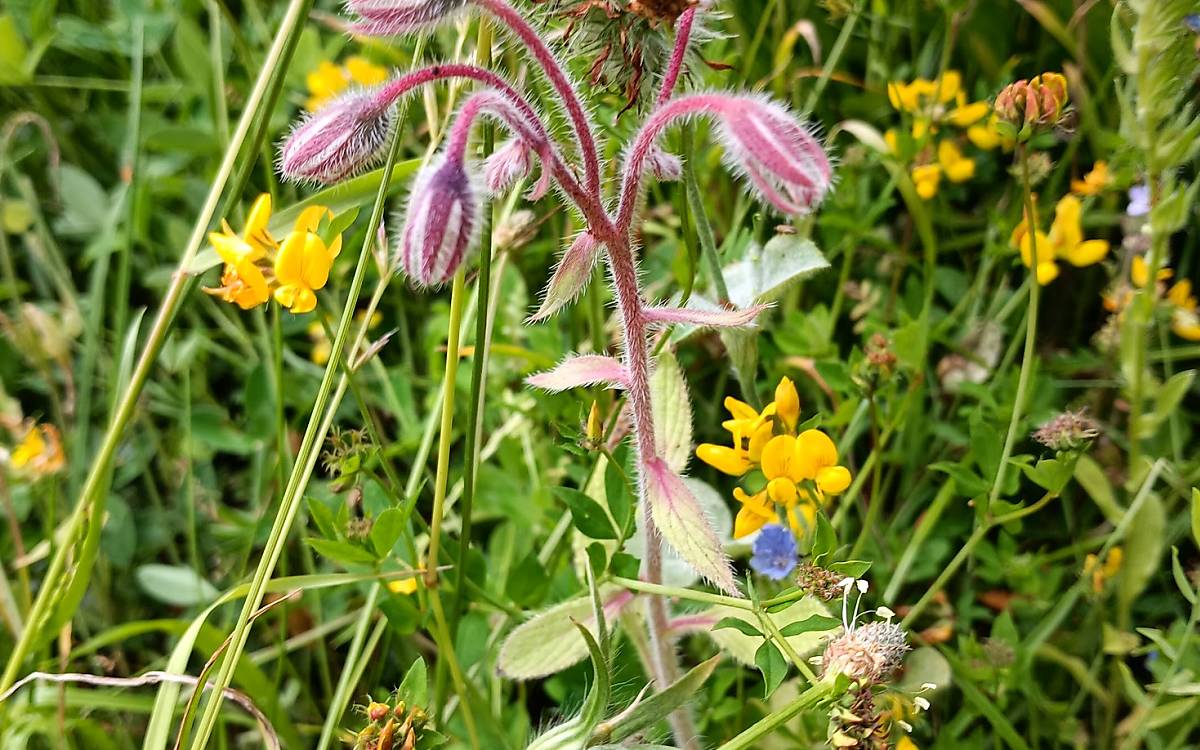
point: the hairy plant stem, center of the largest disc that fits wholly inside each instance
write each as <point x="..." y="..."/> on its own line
<point x="91" y="494"/>
<point x="1031" y="322"/>
<point x="753" y="736"/>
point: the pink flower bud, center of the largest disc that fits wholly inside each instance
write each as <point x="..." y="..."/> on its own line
<point x="397" y="17"/>
<point x="443" y="216"/>
<point x="512" y="161"/>
<point x="345" y="137"/>
<point x="664" y="166"/>
<point x="780" y="157"/>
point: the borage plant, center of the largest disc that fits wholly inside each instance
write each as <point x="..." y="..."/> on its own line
<point x="777" y="155"/>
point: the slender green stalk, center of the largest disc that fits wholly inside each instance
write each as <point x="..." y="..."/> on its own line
<point x="483" y="341"/>
<point x="355" y="659"/>
<point x="314" y="435"/>
<point x="753" y="736"/>
<point x="90" y="495"/>
<point x="458" y="295"/>
<point x="835" y="56"/>
<point x="1031" y="322"/>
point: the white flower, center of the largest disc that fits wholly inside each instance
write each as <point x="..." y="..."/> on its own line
<point x="922" y="704"/>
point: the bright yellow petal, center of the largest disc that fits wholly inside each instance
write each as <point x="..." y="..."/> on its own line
<point x="1180" y="294"/>
<point x="753" y="515"/>
<point x="1186" y="324"/>
<point x="782" y="490"/>
<point x="1044" y="249"/>
<point x="949" y="85"/>
<point x="833" y="480"/>
<point x="310" y="218"/>
<point x="289" y="261"/>
<point x="233" y="249"/>
<point x="758" y="440"/>
<point x="740" y="409"/>
<point x="778" y="456"/>
<point x="259" y="217"/>
<point x="926" y="178"/>
<point x="968" y="115"/>
<point x="727" y="460"/>
<point x="403" y="585"/>
<point x="362" y="70"/>
<point x="1087" y="253"/>
<point x="1047" y="272"/>
<point x="1067" y="229"/>
<point x="814" y="451"/>
<point x="787" y="402"/>
<point x="317" y="262"/>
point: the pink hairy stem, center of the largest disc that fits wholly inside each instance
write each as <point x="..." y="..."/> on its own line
<point x="658" y="121"/>
<point x="683" y="35"/>
<point x="582" y="126"/>
<point x="588" y="202"/>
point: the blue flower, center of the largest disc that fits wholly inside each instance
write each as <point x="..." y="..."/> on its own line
<point x="1139" y="200"/>
<point x="774" y="552"/>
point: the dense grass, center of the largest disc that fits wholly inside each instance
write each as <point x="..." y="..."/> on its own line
<point x="355" y="519"/>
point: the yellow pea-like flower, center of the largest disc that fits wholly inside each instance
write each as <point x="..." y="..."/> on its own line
<point x="301" y="267"/>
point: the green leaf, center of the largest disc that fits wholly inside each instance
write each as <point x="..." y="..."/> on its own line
<point x="811" y="624"/>
<point x="386" y="531"/>
<point x="968" y="482"/>
<point x="851" y="568"/>
<point x="176" y="585"/>
<point x="1181" y="580"/>
<point x="773" y="666"/>
<point x="1094" y="482"/>
<point x="764" y="275"/>
<point x="322" y="518"/>
<point x="742" y="626"/>
<point x="597" y="559"/>
<point x="1050" y="474"/>
<point x="618" y="496"/>
<point x="548" y="642"/>
<point x="341" y="552"/>
<point x="1196" y="516"/>
<point x="624" y="565"/>
<point x="825" y="540"/>
<point x="414" y="688"/>
<point x="599" y="694"/>
<point x="13" y="53"/>
<point x="1144" y="546"/>
<point x="587" y="514"/>
<point x="672" y="412"/>
<point x="742" y="647"/>
<point x="652" y="710"/>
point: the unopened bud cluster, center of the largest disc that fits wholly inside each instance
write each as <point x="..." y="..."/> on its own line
<point x="1070" y="430"/>
<point x="1038" y="104"/>
<point x="391" y="727"/>
<point x="869" y="653"/>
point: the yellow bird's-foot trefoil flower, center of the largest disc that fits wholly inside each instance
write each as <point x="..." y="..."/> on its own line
<point x="258" y="268"/>
<point x="39" y="453"/>
<point x="800" y="469"/>
<point x="1063" y="242"/>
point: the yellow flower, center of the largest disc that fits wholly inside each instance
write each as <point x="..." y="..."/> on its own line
<point x="1102" y="573"/>
<point x="1186" y="324"/>
<point x="1064" y="241"/>
<point x="40" y="451"/>
<point x="748" y="426"/>
<point x="967" y="115"/>
<point x="787" y="403"/>
<point x="403" y="585"/>
<point x="328" y="80"/>
<point x="301" y="267"/>
<point x="254" y="241"/>
<point x="322" y="346"/>
<point x="926" y="177"/>
<point x="956" y="167"/>
<point x="986" y="136"/>
<point x="1094" y="182"/>
<point x="242" y="283"/>
<point x="1139" y="272"/>
<point x="906" y="744"/>
<point x="800" y="472"/>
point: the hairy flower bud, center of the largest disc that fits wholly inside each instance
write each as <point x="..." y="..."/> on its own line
<point x="443" y="216"/>
<point x="397" y="17"/>
<point x="665" y="167"/>
<point x="782" y="159"/>
<point x="512" y="161"/>
<point x="345" y="137"/>
<point x="1035" y="104"/>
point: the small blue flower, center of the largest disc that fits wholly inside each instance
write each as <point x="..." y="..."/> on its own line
<point x="1139" y="200"/>
<point x="774" y="552"/>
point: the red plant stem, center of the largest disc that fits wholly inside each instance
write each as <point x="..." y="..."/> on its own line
<point x="683" y="35"/>
<point x="582" y="126"/>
